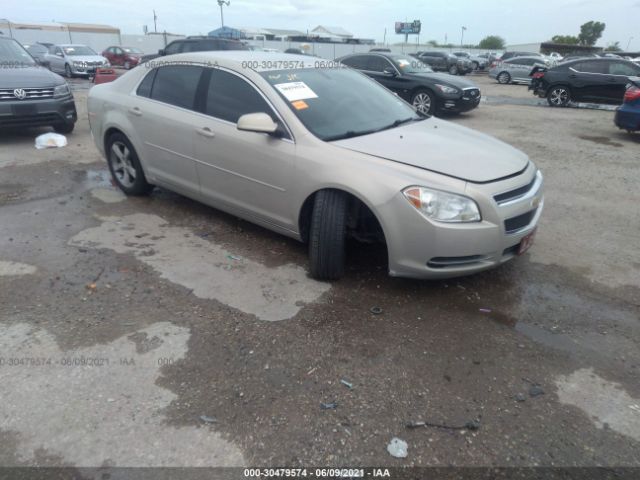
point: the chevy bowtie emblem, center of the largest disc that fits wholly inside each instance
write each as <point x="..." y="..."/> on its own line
<point x="20" y="94"/>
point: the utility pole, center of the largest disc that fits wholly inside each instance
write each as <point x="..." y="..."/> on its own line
<point x="629" y="43"/>
<point x="384" y="39"/>
<point x="462" y="36"/>
<point x="155" y="25"/>
<point x="222" y="3"/>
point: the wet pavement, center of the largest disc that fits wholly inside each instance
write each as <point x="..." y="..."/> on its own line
<point x="158" y="331"/>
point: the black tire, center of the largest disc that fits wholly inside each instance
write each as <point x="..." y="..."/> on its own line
<point x="559" y="96"/>
<point x="64" y="127"/>
<point x="135" y="185"/>
<point x="327" y="235"/>
<point x="67" y="71"/>
<point x="419" y="98"/>
<point x="453" y="70"/>
<point x="504" y="78"/>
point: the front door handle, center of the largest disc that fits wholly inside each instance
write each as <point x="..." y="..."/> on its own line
<point x="205" y="132"/>
<point x="135" y="111"/>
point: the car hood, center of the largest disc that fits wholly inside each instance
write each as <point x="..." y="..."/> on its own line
<point x="27" y="77"/>
<point x="445" y="79"/>
<point x="443" y="147"/>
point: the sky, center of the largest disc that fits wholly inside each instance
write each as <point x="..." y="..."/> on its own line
<point x="518" y="22"/>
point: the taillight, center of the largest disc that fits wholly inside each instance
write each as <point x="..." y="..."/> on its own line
<point x="538" y="75"/>
<point x="632" y="94"/>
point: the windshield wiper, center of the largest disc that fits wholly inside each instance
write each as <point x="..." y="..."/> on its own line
<point x="397" y="123"/>
<point x="349" y="134"/>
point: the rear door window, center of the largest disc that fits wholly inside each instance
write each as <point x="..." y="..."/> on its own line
<point x="358" y="62"/>
<point x="173" y="48"/>
<point x="623" y="69"/>
<point x="591" y="66"/>
<point x="177" y="85"/>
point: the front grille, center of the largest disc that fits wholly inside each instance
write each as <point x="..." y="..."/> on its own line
<point x="471" y="93"/>
<point x="514" y="194"/>
<point x="30" y="120"/>
<point x="30" y="93"/>
<point x="513" y="224"/>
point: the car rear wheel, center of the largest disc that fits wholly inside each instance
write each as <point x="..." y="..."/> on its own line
<point x="67" y="70"/>
<point x="125" y="166"/>
<point x="453" y="70"/>
<point x="424" y="102"/>
<point x="504" y="78"/>
<point x="559" y="96"/>
<point x="327" y="236"/>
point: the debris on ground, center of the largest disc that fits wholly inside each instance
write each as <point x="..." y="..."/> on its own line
<point x="485" y="310"/>
<point x="536" y="391"/>
<point x="329" y="406"/>
<point x="50" y="140"/>
<point x="519" y="397"/>
<point x="376" y="310"/>
<point x="92" y="287"/>
<point x="349" y="385"/>
<point x="207" y="419"/>
<point x="234" y="257"/>
<point x="470" y="425"/>
<point x="397" y="448"/>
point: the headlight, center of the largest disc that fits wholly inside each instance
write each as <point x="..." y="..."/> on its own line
<point x="78" y="63"/>
<point x="61" y="91"/>
<point x="442" y="206"/>
<point x="446" y="89"/>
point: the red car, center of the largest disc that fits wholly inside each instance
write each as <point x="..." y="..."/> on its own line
<point x="127" y="57"/>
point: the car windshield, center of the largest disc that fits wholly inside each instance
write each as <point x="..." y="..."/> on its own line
<point x="12" y="54"/>
<point x="340" y="103"/>
<point x="78" y="50"/>
<point x="406" y="65"/>
<point x="132" y="50"/>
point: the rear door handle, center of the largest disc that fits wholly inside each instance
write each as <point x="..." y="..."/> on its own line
<point x="135" y="111"/>
<point x="205" y="132"/>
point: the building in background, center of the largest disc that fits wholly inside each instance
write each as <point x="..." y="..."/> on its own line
<point x="228" y="32"/>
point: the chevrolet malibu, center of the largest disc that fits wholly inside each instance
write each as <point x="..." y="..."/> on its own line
<point x="320" y="153"/>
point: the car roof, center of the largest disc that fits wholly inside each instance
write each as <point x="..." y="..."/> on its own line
<point x="69" y="45"/>
<point x="251" y="59"/>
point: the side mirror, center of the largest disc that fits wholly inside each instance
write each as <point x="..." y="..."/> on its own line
<point x="389" y="71"/>
<point x="161" y="52"/>
<point x="257" y="122"/>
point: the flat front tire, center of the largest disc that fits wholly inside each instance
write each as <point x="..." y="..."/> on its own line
<point x="125" y="167"/>
<point x="327" y="235"/>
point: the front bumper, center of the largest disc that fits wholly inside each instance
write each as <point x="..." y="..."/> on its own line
<point x="461" y="104"/>
<point x="628" y="117"/>
<point x="85" y="70"/>
<point x="36" y="113"/>
<point x="421" y="248"/>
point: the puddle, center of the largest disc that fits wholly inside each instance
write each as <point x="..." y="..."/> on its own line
<point x="606" y="403"/>
<point x="52" y="398"/>
<point x="205" y="268"/>
<point x="108" y="195"/>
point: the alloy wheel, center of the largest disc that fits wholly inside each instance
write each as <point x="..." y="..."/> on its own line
<point x="422" y="102"/>
<point x="504" y="77"/>
<point x="559" y="96"/>
<point x="123" y="167"/>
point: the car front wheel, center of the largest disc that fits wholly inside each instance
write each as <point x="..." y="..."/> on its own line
<point x="453" y="70"/>
<point x="327" y="236"/>
<point x="67" y="70"/>
<point x="423" y="102"/>
<point x="125" y="166"/>
<point x="504" y="78"/>
<point x="559" y="96"/>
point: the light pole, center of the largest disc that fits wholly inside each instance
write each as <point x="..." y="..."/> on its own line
<point x="462" y="36"/>
<point x="222" y="3"/>
<point x="629" y="43"/>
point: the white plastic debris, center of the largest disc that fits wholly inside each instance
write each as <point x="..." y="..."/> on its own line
<point x="50" y="140"/>
<point x="397" y="448"/>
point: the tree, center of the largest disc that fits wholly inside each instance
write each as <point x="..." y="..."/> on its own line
<point x="492" y="42"/>
<point x="613" y="47"/>
<point x="590" y="33"/>
<point x="566" y="39"/>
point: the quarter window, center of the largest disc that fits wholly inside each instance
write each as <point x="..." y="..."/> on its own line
<point x="620" y="68"/>
<point x="172" y="48"/>
<point x="358" y="62"/>
<point x="229" y="97"/>
<point x="177" y="85"/>
<point x="144" y="89"/>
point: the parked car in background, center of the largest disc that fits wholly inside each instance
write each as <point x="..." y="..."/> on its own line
<point x="477" y="62"/>
<point x="600" y="80"/>
<point x="556" y="57"/>
<point x="30" y="95"/>
<point x="429" y="92"/>
<point x="381" y="49"/>
<point x="196" y="44"/>
<point x="516" y="69"/>
<point x="445" y="62"/>
<point x="38" y="52"/>
<point x="628" y="114"/>
<point x="508" y="55"/>
<point x="320" y="155"/>
<point x="74" y="59"/>
<point x="127" y="57"/>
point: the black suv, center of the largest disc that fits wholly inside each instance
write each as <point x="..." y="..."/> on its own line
<point x="445" y="62"/>
<point x="31" y="95"/>
<point x="196" y="44"/>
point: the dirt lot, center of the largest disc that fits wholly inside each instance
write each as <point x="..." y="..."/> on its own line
<point x="160" y="332"/>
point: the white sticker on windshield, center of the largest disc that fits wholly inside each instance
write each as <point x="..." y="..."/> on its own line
<point x="294" y="91"/>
